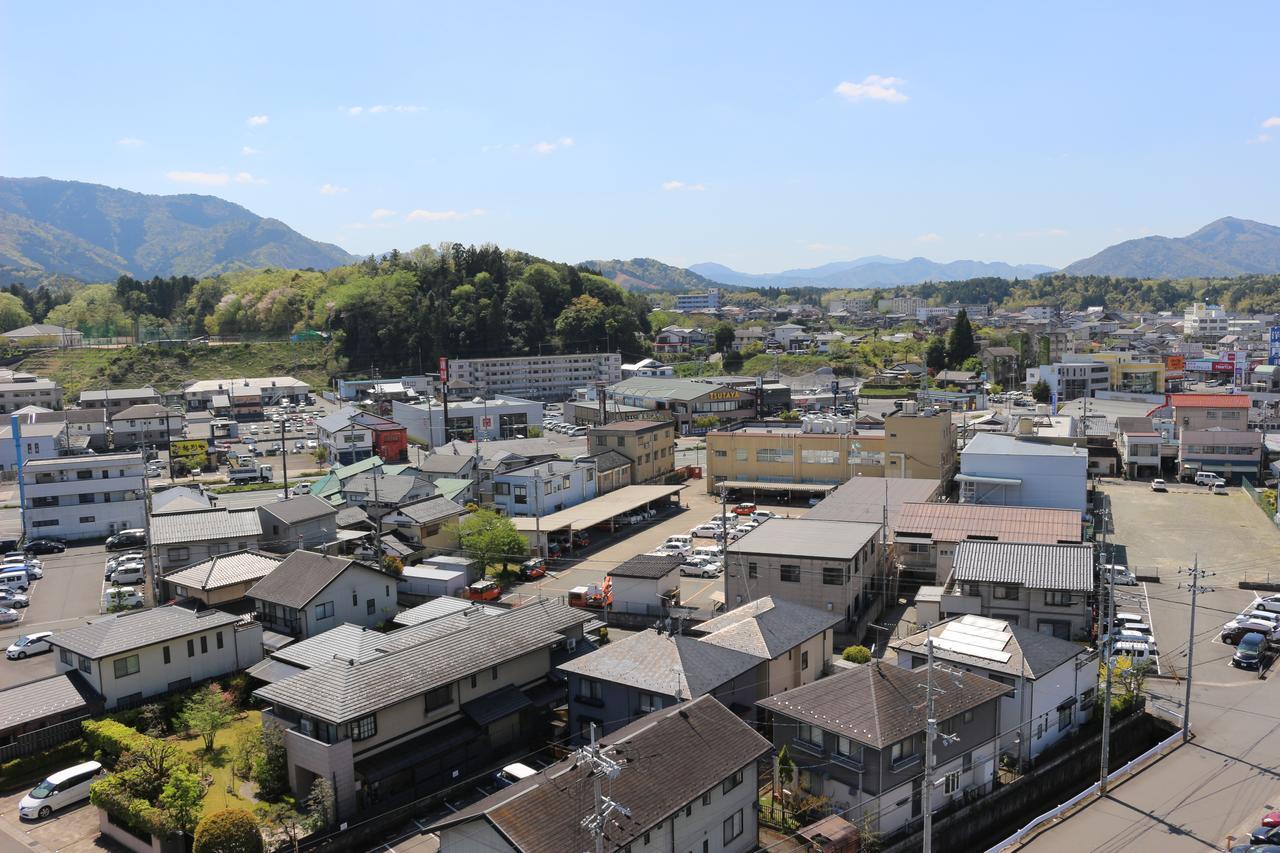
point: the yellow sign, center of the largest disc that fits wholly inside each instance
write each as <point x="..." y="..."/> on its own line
<point x="188" y="447"/>
<point x="723" y="395"/>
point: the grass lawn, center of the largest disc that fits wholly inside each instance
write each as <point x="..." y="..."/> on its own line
<point x="219" y="763"/>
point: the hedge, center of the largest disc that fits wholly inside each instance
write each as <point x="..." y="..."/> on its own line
<point x="228" y="831"/>
<point x="112" y="796"/>
<point x="110" y="739"/>
<point x="29" y="766"/>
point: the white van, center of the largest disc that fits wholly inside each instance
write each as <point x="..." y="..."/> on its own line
<point x="711" y="552"/>
<point x="62" y="789"/>
<point x="1207" y="478"/>
<point x="31" y="644"/>
<point x="1137" y="652"/>
<point x="14" y="580"/>
<point x="1128" y="635"/>
<point x="513" y="773"/>
<point x="1271" y="604"/>
<point x="129" y="573"/>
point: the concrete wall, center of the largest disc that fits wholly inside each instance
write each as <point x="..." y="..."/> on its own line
<point x="847" y="599"/>
<point x="1047" y="481"/>
<point x="309" y="758"/>
<point x="366" y="585"/>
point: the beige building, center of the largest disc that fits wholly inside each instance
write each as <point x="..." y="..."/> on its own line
<point x="650" y="445"/>
<point x="536" y="377"/>
<point x="221" y="579"/>
<point x="914" y="443"/>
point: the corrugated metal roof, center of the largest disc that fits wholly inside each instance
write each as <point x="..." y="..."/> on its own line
<point x="668" y="388"/>
<point x="226" y="569"/>
<point x="953" y="522"/>
<point x="806" y="537"/>
<point x="36" y="700"/>
<point x="204" y="525"/>
<point x="647" y="566"/>
<point x="1210" y="401"/>
<point x="1066" y="567"/>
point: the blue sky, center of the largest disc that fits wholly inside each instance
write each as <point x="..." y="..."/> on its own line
<point x="762" y="136"/>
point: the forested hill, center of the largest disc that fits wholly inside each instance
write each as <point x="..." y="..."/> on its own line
<point x="1225" y="247"/>
<point x="96" y="233"/>
<point x="646" y="275"/>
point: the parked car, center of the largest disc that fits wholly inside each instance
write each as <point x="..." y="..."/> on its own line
<point x="15" y="600"/>
<point x="8" y="614"/>
<point x="61" y="789"/>
<point x="45" y="546"/>
<point x="762" y="515"/>
<point x="700" y="567"/>
<point x="484" y="590"/>
<point x="1259" y="616"/>
<point x="533" y="569"/>
<point x="1271" y="819"/>
<point x="512" y="774"/>
<point x="1159" y="486"/>
<point x="133" y="538"/>
<point x="1219" y="488"/>
<point x="129" y="573"/>
<point x="1234" y="632"/>
<point x="1264" y="835"/>
<point x="1120" y="574"/>
<point x="707" y="529"/>
<point x="30" y="644"/>
<point x="1249" y="651"/>
<point x="744" y="509"/>
<point x="123" y="596"/>
<point x="680" y="542"/>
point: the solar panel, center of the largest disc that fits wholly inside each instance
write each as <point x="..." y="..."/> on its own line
<point x="982" y="622"/>
<point x="971" y="650"/>
<point x="965" y="633"/>
<point x="971" y="640"/>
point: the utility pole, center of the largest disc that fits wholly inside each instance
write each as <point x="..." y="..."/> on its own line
<point x="1195" y="573"/>
<point x="284" y="455"/>
<point x="600" y="766"/>
<point x="1107" y="661"/>
<point x="930" y="733"/>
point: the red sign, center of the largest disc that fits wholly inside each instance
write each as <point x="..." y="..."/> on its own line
<point x="444" y="369"/>
<point x="486" y="422"/>
<point x="1227" y="366"/>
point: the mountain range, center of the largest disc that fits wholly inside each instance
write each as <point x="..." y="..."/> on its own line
<point x="96" y="233"/>
<point x="872" y="271"/>
<point x="646" y="275"/>
<point x="1223" y="248"/>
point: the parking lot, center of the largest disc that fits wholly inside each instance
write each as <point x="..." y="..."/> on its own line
<point x="71" y="830"/>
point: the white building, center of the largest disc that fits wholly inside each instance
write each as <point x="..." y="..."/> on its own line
<point x="84" y="497"/>
<point x="537" y="377"/>
<point x="1009" y="471"/>
<point x="145" y="425"/>
<point x="31" y="392"/>
<point x="689" y="303"/>
<point x="116" y="399"/>
<point x="344" y="440"/>
<point x="1205" y="321"/>
<point x="469" y="420"/>
<point x="647" y="367"/>
<point x="1072" y="379"/>
<point x="272" y="390"/>
<point x="39" y="441"/>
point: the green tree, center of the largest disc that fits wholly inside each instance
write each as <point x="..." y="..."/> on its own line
<point x="706" y="422"/>
<point x="732" y="361"/>
<point x="973" y="364"/>
<point x="960" y="342"/>
<point x="857" y="654"/>
<point x="935" y="355"/>
<point x="283" y="820"/>
<point x="271" y="766"/>
<point x="182" y="798"/>
<point x="490" y="538"/>
<point x="1041" y="392"/>
<point x="228" y="831"/>
<point x="582" y="324"/>
<point x="93" y="310"/>
<point x="320" y="802"/>
<point x="724" y="337"/>
<point x="207" y="712"/>
<point x="13" y="314"/>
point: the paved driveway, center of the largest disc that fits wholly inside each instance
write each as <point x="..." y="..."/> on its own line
<point x="71" y="830"/>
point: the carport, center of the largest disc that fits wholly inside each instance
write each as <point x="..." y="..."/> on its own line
<point x="820" y="489"/>
<point x="590" y="513"/>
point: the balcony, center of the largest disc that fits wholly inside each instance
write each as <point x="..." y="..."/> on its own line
<point x="904" y="762"/>
<point x="852" y="762"/>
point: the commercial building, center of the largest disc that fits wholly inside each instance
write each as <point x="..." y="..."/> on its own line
<point x="915" y="443"/>
<point x="1072" y="379"/>
<point x="1133" y="374"/>
<point x="1213" y="436"/>
<point x="1205" y="322"/>
<point x="548" y="378"/>
<point x="837" y="567"/>
<point x="130" y="657"/>
<point x="690" y="303"/>
<point x="650" y="446"/>
<point x="469" y="420"/>
<point x="695" y="790"/>
<point x="1010" y="471"/>
<point x="544" y="488"/>
<point x="117" y="399"/>
<point x="84" y="497"/>
<point x="350" y="435"/>
<point x="685" y="399"/>
<point x="255" y="392"/>
<point x="309" y="593"/>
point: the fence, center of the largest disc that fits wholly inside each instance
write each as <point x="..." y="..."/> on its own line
<point x="30" y="743"/>
<point x="1261" y="500"/>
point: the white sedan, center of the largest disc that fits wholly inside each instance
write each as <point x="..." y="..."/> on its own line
<point x="700" y="567"/>
<point x="709" y="530"/>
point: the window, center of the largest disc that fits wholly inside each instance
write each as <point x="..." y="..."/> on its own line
<point x="439" y="698"/>
<point x="650" y="702"/>
<point x="809" y="734"/>
<point x="177" y="554"/>
<point x="365" y="727"/>
<point x="355" y="598"/>
<point x="204" y="645"/>
<point x="86" y="498"/>
<point x="1058" y="598"/>
<point x="967" y="716"/>
<point x="774" y="454"/>
<point x="126" y="666"/>
<point x="1064" y="718"/>
<point x="493" y="673"/>
<point x="165" y="650"/>
<point x="740" y="454"/>
<point x="218" y="638"/>
<point x="87" y="519"/>
<point x="83" y="663"/>
<point x="732" y="826"/>
<point x="849" y="750"/>
<point x="706" y="798"/>
<point x="722" y="454"/>
<point x="370" y="607"/>
<point x="65" y="656"/>
<point x="732" y="782"/>
<point x="804" y="660"/>
<point x="324" y="610"/>
<point x="753" y="570"/>
<point x="820" y="457"/>
<point x="833" y="575"/>
<point x="521" y="495"/>
<point x="1006" y="592"/>
<point x="502" y="488"/>
<point x="591" y="691"/>
<point x="191" y="648"/>
<point x="789" y="574"/>
<point x="904" y="751"/>
<point x="951" y="782"/>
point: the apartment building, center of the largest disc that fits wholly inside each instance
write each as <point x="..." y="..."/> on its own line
<point x="915" y="443"/>
<point x="833" y="566"/>
<point x="404" y="714"/>
<point x="908" y="305"/>
<point x="38" y="440"/>
<point x="694" y="790"/>
<point x="1214" y="436"/>
<point x="539" y="490"/>
<point x="549" y="378"/>
<point x="649" y="445"/>
<point x="689" y="303"/>
<point x="1207" y="322"/>
<point x="253" y="393"/>
<point x="131" y="657"/>
<point x="115" y="400"/>
<point x="145" y="425"/>
<point x="84" y="497"/>
<point x="15" y="395"/>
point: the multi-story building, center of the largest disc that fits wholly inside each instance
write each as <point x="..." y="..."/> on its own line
<point x="542" y="489"/>
<point x="1011" y="471"/>
<point x="685" y="399"/>
<point x="689" y="303"/>
<point x="85" y="428"/>
<point x="350" y="435"/>
<point x="914" y="443"/>
<point x="833" y="566"/>
<point x="908" y="305"/>
<point x="181" y="538"/>
<point x="38" y="440"/>
<point x="469" y="420"/>
<point x="649" y="445"/>
<point x="1135" y="374"/>
<point x="255" y="392"/>
<point x="31" y="392"/>
<point x="117" y="399"/>
<point x="647" y="367"/>
<point x="1213" y="436"/>
<point x="301" y="521"/>
<point x="1208" y="322"/>
<point x="84" y="497"/>
<point x="548" y="378"/>
<point x="1072" y="379"/>
<point x="308" y="594"/>
<point x="677" y="339"/>
<point x="145" y="425"/>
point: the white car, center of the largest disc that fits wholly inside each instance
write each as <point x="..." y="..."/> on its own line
<point x="1122" y="575"/>
<point x="124" y="596"/>
<point x="60" y="790"/>
<point x="31" y="644"/>
<point x="120" y="559"/>
<point x="8" y="614"/>
<point x="762" y="515"/>
<point x="664" y="552"/>
<point x="711" y="530"/>
<point x="700" y="567"/>
<point x="15" y="600"/>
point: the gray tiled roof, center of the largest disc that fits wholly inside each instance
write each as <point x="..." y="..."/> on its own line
<point x="118" y="393"/>
<point x="122" y="632"/>
<point x="36" y="700"/>
<point x="444" y="463"/>
<point x="648" y="566"/>
<point x="225" y="569"/>
<point x="806" y="537"/>
<point x="608" y="460"/>
<point x="344" y="641"/>
<point x="207" y="525"/>
<point x="1068" y="567"/>
<point x="766" y="627"/>
<point x="338" y="691"/>
<point x="1031" y="653"/>
<point x="389" y="488"/>
<point x="179" y="499"/>
<point x="669" y="758"/>
<point x="301" y="508"/>
<point x="863" y="499"/>
<point x="435" y="609"/>
<point x="430" y="509"/>
<point x="301" y="577"/>
<point x="678" y="666"/>
<point x="878" y="704"/>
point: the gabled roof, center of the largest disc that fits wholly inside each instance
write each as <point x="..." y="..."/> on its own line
<point x="299" y="509"/>
<point x="428" y="510"/>
<point x="1031" y="653"/>
<point x="878" y="704"/>
<point x="389" y="489"/>
<point x="223" y="570"/>
<point x="1066" y="567"/>
<point x="647" y="566"/>
<point x="610" y="460"/>
<point x="122" y="632"/>
<point x="1210" y="401"/>
<point x="179" y="499"/>
<point x="204" y="525"/>
<point x="302" y="576"/>
<point x="144" y="411"/>
<point x="56" y="694"/>
<point x="766" y="627"/>
<point x="118" y="393"/>
<point x="952" y="522"/>
<point x="678" y="666"/>
<point x="668" y="758"/>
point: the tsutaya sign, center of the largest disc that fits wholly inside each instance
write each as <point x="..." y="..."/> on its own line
<point x="723" y="395"/>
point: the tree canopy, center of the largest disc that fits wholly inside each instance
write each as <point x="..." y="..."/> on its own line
<point x="490" y="538"/>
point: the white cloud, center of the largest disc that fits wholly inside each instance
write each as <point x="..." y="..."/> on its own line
<point x="421" y="215"/>
<point x="381" y="213"/>
<point x="928" y="238"/>
<point x="1274" y="121"/>
<point x="246" y="178"/>
<point x="548" y="147"/>
<point x="208" y="179"/>
<point x="681" y="186"/>
<point x="249" y="151"/>
<point x="873" y="88"/>
<point x="129" y="142"/>
<point x="257" y="121"/>
<point x="1260" y="139"/>
<point x="1043" y="232"/>
<point x="331" y="189"/>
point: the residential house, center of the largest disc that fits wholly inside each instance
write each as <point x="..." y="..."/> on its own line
<point x="613" y="471"/>
<point x="430" y="525"/>
<point x="1044" y="587"/>
<point x="543" y="489"/>
<point x="85" y="428"/>
<point x="130" y="657"/>
<point x="29" y="392"/>
<point x="647" y="367"/>
<point x="44" y="335"/>
<point x="343" y="440"/>
<point x="837" y="567"/>
<point x="30" y="712"/>
<point x="36" y="440"/>
<point x="223" y="580"/>
<point x="762" y="647"/>
<point x="675" y="339"/>
<point x="649" y="445"/>
<point x="925" y="535"/>
<point x="378" y="492"/>
<point x="310" y="593"/>
<point x="647" y="584"/>
<point x="301" y="521"/>
<point x="1011" y="471"/>
<point x="181" y="538"/>
<point x="114" y="400"/>
<point x="695" y="790"/>
<point x="145" y="425"/>
<point x="791" y="337"/>
<point x="181" y="499"/>
<point x="1001" y="365"/>
<point x="1054" y="681"/>
<point x="743" y="338"/>
<point x="84" y="497"/>
<point x="858" y="740"/>
<point x="392" y="717"/>
<point x="253" y="393"/>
